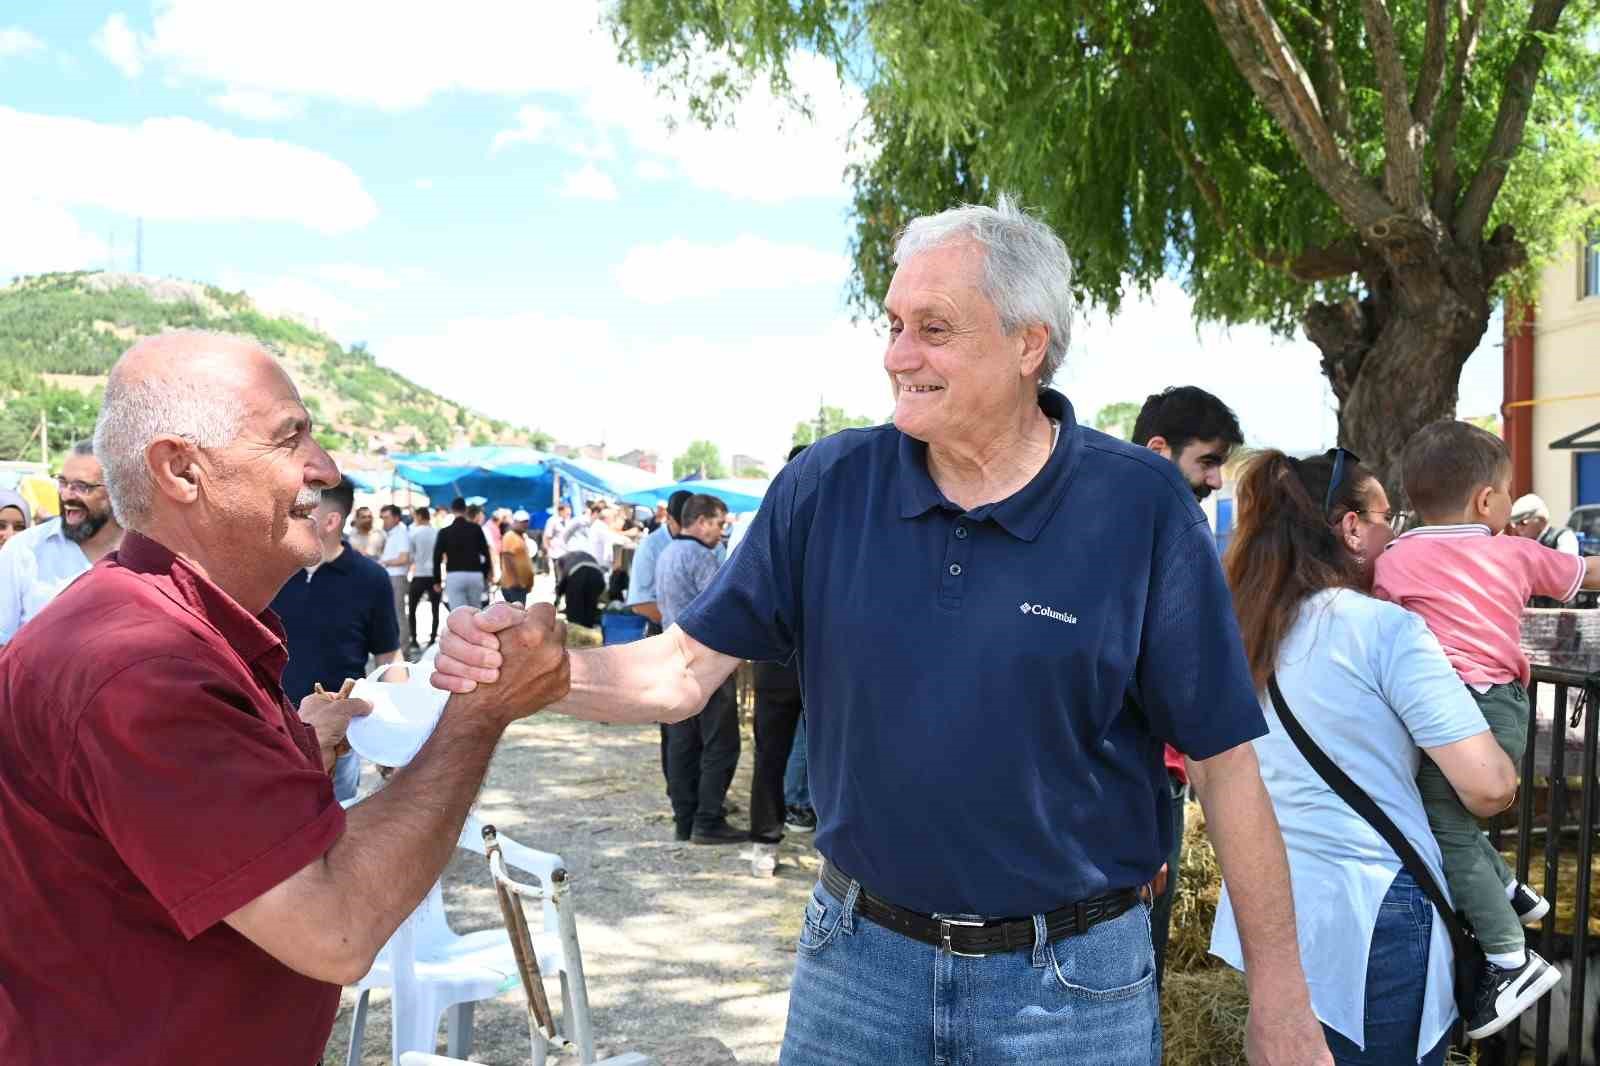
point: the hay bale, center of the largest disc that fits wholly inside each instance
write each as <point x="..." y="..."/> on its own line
<point x="583" y="637"/>
<point x="1195" y="905"/>
<point x="1202" y="1018"/>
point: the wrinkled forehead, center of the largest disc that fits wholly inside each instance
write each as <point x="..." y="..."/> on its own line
<point x="949" y="272"/>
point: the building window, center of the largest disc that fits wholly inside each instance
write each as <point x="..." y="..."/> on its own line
<point x="1591" y="264"/>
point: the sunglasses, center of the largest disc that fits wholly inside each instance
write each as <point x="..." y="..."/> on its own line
<point x="1344" y="460"/>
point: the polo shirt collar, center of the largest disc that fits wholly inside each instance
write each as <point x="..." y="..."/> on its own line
<point x="250" y="635"/>
<point x="1024" y="513"/>
<point x="1468" y="529"/>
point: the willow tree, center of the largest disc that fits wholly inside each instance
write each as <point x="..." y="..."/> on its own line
<point x="1373" y="173"/>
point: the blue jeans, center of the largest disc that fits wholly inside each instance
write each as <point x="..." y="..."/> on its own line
<point x="865" y="996"/>
<point x="346" y="775"/>
<point x="796" y="786"/>
<point x="1397" y="974"/>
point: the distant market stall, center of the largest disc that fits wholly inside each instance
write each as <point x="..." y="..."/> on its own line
<point x="741" y="494"/>
<point x="518" y="478"/>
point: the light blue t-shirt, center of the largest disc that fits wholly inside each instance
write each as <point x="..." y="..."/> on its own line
<point x="642" y="577"/>
<point x="1371" y="686"/>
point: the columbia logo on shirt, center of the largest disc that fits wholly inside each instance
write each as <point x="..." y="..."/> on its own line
<point x="1049" y="612"/>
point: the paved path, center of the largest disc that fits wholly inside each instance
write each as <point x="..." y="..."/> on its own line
<point x="678" y="940"/>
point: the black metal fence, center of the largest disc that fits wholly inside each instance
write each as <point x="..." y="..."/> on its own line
<point x="1554" y="826"/>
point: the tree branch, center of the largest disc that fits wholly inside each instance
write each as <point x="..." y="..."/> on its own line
<point x="1446" y="173"/>
<point x="1295" y="110"/>
<point x="1516" y="98"/>
<point x="1430" y="76"/>
<point x="1330" y="75"/>
<point x="1402" y="136"/>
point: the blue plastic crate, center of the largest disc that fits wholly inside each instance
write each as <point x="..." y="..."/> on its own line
<point x="622" y="627"/>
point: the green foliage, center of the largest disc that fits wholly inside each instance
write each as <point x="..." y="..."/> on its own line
<point x="70" y="414"/>
<point x="829" y="420"/>
<point x="701" y="455"/>
<point x="1128" y="125"/>
<point x="66" y="324"/>
<point x="1117" y="419"/>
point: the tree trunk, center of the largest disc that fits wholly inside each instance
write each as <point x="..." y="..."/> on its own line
<point x="1394" y="358"/>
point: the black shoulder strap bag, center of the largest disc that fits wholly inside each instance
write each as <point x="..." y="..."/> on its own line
<point x="1469" y="956"/>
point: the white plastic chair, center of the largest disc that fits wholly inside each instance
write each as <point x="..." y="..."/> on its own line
<point x="434" y="970"/>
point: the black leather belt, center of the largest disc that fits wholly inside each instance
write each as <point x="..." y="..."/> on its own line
<point x="965" y="936"/>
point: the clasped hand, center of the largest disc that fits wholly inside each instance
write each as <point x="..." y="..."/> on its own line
<point x="522" y="654"/>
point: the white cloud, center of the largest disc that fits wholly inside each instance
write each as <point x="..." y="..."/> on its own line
<point x="257" y="105"/>
<point x="42" y="237"/>
<point x="677" y="269"/>
<point x="532" y="125"/>
<point x="295" y="297"/>
<point x="589" y="182"/>
<point x="179" y="169"/>
<point x="516" y="50"/>
<point x="366" y="278"/>
<point x="16" y="41"/>
<point x="645" y="394"/>
<point x="652" y="170"/>
<point x="117" y="41"/>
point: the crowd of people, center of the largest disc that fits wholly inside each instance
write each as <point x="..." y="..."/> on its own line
<point x="1007" y="691"/>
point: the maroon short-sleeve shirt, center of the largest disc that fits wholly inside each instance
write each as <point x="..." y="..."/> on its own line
<point x="153" y="780"/>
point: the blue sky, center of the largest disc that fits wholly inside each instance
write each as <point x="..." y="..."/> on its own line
<point x="510" y="216"/>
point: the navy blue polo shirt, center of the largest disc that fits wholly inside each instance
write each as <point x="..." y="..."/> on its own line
<point x="334" y="620"/>
<point x="987" y="691"/>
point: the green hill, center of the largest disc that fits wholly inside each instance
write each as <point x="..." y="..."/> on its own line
<point x="60" y="333"/>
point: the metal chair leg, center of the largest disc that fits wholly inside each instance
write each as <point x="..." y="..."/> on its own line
<point x="358" y="1028"/>
<point x="458" y="1030"/>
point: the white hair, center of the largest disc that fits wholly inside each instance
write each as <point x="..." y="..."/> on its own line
<point x="135" y="413"/>
<point x="1027" y="273"/>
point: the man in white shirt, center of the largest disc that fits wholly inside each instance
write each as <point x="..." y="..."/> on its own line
<point x="555" y="534"/>
<point x="396" y="562"/>
<point x="44" y="559"/>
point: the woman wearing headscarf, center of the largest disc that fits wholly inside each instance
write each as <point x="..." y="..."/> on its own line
<point x="13" y="515"/>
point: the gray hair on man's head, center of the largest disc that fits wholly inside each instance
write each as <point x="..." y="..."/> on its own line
<point x="1027" y="273"/>
<point x="135" y="413"/>
<point x="83" y="447"/>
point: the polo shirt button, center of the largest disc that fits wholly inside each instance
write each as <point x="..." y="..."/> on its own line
<point x="961" y="532"/>
<point x="955" y="569"/>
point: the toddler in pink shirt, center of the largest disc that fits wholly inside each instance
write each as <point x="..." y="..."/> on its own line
<point x="1470" y="585"/>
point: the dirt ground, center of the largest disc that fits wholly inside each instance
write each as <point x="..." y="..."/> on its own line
<point x="679" y="940"/>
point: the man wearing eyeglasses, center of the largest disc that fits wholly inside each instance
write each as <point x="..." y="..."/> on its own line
<point x="40" y="562"/>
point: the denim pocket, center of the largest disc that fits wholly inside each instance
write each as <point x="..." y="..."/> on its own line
<point x="1110" y="961"/>
<point x="821" y="924"/>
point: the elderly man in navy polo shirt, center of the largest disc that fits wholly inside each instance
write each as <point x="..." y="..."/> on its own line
<point x="991" y="697"/>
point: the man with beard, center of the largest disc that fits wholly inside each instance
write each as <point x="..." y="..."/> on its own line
<point x="39" y="562"/>
<point x="1197" y="432"/>
<point x="365" y="539"/>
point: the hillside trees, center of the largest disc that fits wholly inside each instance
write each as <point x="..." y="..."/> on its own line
<point x="1372" y="172"/>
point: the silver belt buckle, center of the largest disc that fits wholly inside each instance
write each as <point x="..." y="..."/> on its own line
<point x="947" y="920"/>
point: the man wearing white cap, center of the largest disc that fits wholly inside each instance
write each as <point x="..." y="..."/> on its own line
<point x="516" y="565"/>
<point x="1530" y="517"/>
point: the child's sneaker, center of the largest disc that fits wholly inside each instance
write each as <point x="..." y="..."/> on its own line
<point x="1529" y="905"/>
<point x="1504" y="994"/>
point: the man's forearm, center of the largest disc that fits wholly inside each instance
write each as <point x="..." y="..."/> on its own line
<point x="398" y="841"/>
<point x="664" y="678"/>
<point x="1249" y="846"/>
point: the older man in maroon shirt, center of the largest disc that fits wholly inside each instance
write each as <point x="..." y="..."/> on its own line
<point x="179" y="883"/>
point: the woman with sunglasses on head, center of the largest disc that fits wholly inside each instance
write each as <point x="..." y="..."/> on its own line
<point x="1370" y="687"/>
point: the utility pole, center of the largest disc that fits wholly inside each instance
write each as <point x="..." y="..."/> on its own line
<point x="44" y="438"/>
<point x="138" y="246"/>
<point x="821" y="420"/>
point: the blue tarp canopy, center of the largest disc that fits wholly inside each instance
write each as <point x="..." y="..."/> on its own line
<point x="741" y="494"/>
<point x="516" y="477"/>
